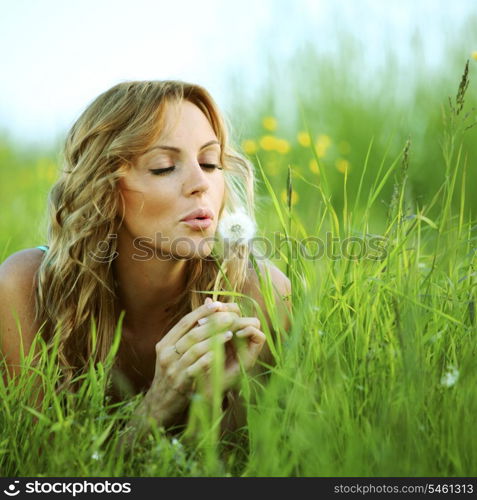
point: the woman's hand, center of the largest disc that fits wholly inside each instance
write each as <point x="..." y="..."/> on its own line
<point x="244" y="349"/>
<point x="185" y="353"/>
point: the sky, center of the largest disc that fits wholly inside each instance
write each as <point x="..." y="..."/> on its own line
<point x="57" y="56"/>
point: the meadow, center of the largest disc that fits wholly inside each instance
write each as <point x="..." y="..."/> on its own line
<point x="374" y="200"/>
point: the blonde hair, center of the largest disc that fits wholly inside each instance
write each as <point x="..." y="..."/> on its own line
<point x="73" y="289"/>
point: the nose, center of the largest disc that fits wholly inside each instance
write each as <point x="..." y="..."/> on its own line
<point x="196" y="181"/>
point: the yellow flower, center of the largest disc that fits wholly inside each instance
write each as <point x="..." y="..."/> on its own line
<point x="269" y="123"/>
<point x="314" y="166"/>
<point x="344" y="147"/>
<point x="324" y="139"/>
<point x="282" y="146"/>
<point x="268" y="142"/>
<point x="249" y="146"/>
<point x="323" y="142"/>
<point x="294" y="197"/>
<point x="342" y="165"/>
<point x="304" y="139"/>
<point x="474" y="55"/>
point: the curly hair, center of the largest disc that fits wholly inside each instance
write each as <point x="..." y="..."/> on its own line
<point x="76" y="292"/>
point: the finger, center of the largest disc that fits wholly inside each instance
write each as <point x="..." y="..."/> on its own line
<point x="217" y="323"/>
<point x="188" y="321"/>
<point x="252" y="333"/>
<point x="249" y="353"/>
<point x="242" y="323"/>
<point x="226" y="306"/>
<point x="201" y="366"/>
<point x="198" y="350"/>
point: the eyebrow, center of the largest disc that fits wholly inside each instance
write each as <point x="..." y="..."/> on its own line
<point x="171" y="148"/>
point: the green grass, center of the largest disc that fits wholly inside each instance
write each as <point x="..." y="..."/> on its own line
<point x="357" y="389"/>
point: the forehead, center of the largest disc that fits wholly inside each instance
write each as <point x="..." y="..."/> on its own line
<point x="184" y="120"/>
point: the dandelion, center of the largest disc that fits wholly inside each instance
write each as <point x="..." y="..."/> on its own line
<point x="437" y="336"/>
<point x="249" y="146"/>
<point x="342" y="165"/>
<point x="474" y="55"/>
<point x="323" y="142"/>
<point x="314" y="166"/>
<point x="282" y="146"/>
<point x="176" y="443"/>
<point x="269" y="123"/>
<point x="450" y="377"/>
<point x="294" y="197"/>
<point x="235" y="228"/>
<point x="268" y="142"/>
<point x="304" y="139"/>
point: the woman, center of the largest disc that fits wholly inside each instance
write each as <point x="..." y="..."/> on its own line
<point x="148" y="174"/>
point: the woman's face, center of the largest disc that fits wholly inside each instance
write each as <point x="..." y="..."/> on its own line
<point x="156" y="202"/>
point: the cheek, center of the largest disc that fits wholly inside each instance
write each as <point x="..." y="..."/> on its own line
<point x="149" y="206"/>
<point x="145" y="201"/>
<point x="222" y="196"/>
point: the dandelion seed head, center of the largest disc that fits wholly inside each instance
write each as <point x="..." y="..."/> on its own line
<point x="237" y="227"/>
<point x="437" y="336"/>
<point x="450" y="377"/>
<point x="176" y="443"/>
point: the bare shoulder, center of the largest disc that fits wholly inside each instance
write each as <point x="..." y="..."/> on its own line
<point x="17" y="313"/>
<point x="19" y="269"/>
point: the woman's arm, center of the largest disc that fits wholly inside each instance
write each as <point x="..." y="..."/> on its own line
<point x="17" y="310"/>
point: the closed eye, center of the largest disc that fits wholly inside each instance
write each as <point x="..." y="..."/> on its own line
<point x="161" y="171"/>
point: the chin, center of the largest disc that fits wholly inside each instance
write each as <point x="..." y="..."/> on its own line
<point x="187" y="251"/>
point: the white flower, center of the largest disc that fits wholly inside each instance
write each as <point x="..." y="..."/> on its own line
<point x="237" y="227"/>
<point x="450" y="377"/>
<point x="95" y="456"/>
<point x="437" y="336"/>
<point x="175" y="442"/>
